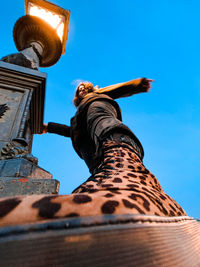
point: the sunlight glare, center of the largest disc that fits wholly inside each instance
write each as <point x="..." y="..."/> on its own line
<point x="56" y="21"/>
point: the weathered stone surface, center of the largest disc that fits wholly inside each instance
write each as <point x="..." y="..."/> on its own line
<point x="20" y="176"/>
<point x="23" y="186"/>
<point x="20" y="167"/>
<point x="22" y="92"/>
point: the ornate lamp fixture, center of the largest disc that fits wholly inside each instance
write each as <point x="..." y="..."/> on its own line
<point x="40" y="37"/>
<point x="41" y="34"/>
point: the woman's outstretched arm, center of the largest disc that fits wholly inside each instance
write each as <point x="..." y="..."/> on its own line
<point x="129" y="88"/>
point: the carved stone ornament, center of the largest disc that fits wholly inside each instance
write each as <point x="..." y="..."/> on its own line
<point x="3" y="109"/>
<point x="17" y="148"/>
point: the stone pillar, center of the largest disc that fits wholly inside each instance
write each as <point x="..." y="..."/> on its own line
<point x="22" y="92"/>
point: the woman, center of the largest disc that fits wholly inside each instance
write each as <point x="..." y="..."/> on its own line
<point x="119" y="182"/>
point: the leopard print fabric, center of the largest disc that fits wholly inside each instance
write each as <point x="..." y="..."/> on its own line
<point x="120" y="185"/>
<point x="129" y="184"/>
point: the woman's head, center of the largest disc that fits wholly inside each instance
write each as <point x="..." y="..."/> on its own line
<point x="81" y="91"/>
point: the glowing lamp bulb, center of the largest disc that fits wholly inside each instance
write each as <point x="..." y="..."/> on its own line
<point x="55" y="16"/>
<point x="53" y="19"/>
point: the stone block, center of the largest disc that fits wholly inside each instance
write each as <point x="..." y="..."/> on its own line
<point x="20" y="176"/>
<point x="20" y="167"/>
<point x="23" y="186"/>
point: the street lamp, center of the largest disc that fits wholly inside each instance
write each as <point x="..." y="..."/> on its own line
<point x="41" y="34"/>
<point x="40" y="37"/>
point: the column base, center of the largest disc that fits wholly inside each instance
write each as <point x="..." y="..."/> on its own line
<point x="22" y="177"/>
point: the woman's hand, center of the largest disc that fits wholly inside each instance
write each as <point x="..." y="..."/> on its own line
<point x="45" y="128"/>
<point x="146" y="84"/>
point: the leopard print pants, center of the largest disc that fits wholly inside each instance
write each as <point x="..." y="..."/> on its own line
<point x="123" y="179"/>
<point x="120" y="185"/>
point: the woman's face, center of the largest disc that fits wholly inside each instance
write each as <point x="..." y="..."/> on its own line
<point x="82" y="91"/>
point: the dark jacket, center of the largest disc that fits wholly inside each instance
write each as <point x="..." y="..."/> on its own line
<point x="97" y="116"/>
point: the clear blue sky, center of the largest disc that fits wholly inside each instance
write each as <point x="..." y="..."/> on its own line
<point x="112" y="41"/>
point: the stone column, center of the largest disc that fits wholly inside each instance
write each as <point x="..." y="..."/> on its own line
<point x="22" y="92"/>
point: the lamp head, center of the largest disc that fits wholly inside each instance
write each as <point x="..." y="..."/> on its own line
<point x="45" y="25"/>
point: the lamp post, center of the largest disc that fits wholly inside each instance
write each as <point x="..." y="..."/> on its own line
<point x="40" y="37"/>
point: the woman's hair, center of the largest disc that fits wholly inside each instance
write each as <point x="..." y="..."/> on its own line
<point x="88" y="85"/>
